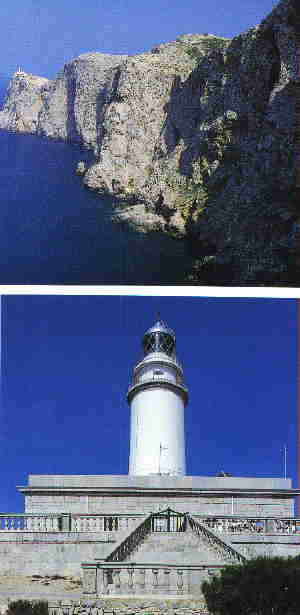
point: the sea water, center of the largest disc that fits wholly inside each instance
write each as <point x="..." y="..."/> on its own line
<point x="55" y="231"/>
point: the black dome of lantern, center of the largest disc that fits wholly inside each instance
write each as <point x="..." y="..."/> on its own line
<point x="159" y="338"/>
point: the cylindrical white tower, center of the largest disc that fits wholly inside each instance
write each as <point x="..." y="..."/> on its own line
<point x="157" y="397"/>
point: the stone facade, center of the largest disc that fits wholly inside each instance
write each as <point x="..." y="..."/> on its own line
<point x="146" y="535"/>
<point x="214" y="505"/>
<point x="111" y="495"/>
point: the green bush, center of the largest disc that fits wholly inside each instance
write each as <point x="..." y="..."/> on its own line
<point x="194" y="52"/>
<point x="26" y="607"/>
<point x="261" y="586"/>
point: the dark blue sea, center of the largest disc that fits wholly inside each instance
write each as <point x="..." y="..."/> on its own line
<point x="55" y="231"/>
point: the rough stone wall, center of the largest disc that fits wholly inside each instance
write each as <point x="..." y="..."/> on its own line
<point x="269" y="549"/>
<point x="62" y="556"/>
<point x="127" y="606"/>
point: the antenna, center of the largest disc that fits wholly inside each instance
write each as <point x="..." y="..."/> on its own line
<point x="161" y="448"/>
<point x="284" y="460"/>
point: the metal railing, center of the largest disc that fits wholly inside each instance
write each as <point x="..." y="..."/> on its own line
<point x="131" y="542"/>
<point x="215" y="543"/>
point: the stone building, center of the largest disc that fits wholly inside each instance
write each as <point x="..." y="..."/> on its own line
<point x="155" y="531"/>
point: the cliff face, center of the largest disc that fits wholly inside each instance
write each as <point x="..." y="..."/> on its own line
<point x="200" y="131"/>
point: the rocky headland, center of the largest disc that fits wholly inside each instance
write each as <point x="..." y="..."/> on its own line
<point x="196" y="138"/>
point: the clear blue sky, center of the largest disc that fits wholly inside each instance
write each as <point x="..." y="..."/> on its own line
<point x="41" y="35"/>
<point x="66" y="365"/>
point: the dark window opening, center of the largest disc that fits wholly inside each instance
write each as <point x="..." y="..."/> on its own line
<point x="110" y="524"/>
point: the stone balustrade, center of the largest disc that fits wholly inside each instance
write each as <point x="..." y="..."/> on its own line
<point x="72" y="522"/>
<point x="66" y="523"/>
<point x="123" y="578"/>
<point x="242" y="525"/>
<point x="100" y="523"/>
<point x="30" y="523"/>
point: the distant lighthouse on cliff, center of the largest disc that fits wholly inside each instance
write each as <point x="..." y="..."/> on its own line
<point x="157" y="398"/>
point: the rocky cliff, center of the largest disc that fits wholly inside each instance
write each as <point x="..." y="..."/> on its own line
<point x="198" y="134"/>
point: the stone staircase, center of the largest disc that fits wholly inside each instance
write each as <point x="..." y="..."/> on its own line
<point x="158" y="540"/>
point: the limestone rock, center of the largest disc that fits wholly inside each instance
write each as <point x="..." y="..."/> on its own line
<point x="199" y="131"/>
<point x="24" y="101"/>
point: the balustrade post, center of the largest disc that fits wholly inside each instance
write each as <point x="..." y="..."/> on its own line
<point x="141" y="581"/>
<point x="166" y="582"/>
<point x="27" y="524"/>
<point x="179" y="581"/>
<point x="90" y="579"/>
<point x="66" y="522"/>
<point x="94" y="524"/>
<point x="116" y="581"/>
<point x="37" y="524"/>
<point x="270" y="527"/>
<point x="130" y="580"/>
<point x="121" y="523"/>
<point x="86" y="524"/>
<point x="100" y="524"/>
<point x="55" y="524"/>
<point x="48" y="524"/>
<point x="105" y="581"/>
<point x="155" y="580"/>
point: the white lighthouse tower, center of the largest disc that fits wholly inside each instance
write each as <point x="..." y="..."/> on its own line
<point x="157" y="397"/>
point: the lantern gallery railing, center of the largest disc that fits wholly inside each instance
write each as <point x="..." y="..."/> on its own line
<point x="143" y="579"/>
<point x="163" y="522"/>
